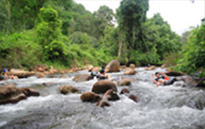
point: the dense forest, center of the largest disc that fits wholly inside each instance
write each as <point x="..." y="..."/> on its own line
<point x="64" y="34"/>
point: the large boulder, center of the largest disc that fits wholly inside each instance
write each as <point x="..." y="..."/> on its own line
<point x="103" y="85"/>
<point x="113" y="66"/>
<point x="30" y="92"/>
<point x="129" y="71"/>
<point x="21" y="73"/>
<point x="68" y="89"/>
<point x="11" y="94"/>
<point x="124" y="82"/>
<point x="90" y="97"/>
<point x="83" y="77"/>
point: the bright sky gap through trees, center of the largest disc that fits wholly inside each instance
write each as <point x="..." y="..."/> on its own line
<point x="180" y="14"/>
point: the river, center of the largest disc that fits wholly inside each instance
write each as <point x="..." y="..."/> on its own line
<point x="170" y="107"/>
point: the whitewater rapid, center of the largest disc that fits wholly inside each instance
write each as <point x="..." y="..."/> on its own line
<point x="170" y="107"/>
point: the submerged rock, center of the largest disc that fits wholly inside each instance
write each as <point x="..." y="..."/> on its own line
<point x="103" y="85"/>
<point x="133" y="97"/>
<point x="83" y="77"/>
<point x="63" y="76"/>
<point x="113" y="66"/>
<point x="150" y="68"/>
<point x="68" y="89"/>
<point x="191" y="81"/>
<point x="30" y="92"/>
<point x="90" y="97"/>
<point x="124" y="91"/>
<point x="102" y="103"/>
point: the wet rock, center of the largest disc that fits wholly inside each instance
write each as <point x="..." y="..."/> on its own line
<point x="52" y="70"/>
<point x="124" y="82"/>
<point x="48" y="83"/>
<point x="83" y="77"/>
<point x="41" y="68"/>
<point x="190" y="80"/>
<point x="89" y="67"/>
<point x="103" y="85"/>
<point x="129" y="71"/>
<point x="11" y="94"/>
<point x="68" y="89"/>
<point x="123" y="67"/>
<point x="30" y="92"/>
<point x="63" y="76"/>
<point x="102" y="103"/>
<point x="90" y="97"/>
<point x="95" y="69"/>
<point x="133" y="97"/>
<point x="173" y="73"/>
<point x="21" y="73"/>
<point x="113" y="66"/>
<point x="40" y="75"/>
<point x="179" y="83"/>
<point x="132" y="66"/>
<point x="124" y="91"/>
<point x="150" y="68"/>
<point x="111" y="95"/>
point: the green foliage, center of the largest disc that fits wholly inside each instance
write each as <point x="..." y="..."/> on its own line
<point x="84" y="54"/>
<point x="83" y="21"/>
<point x="194" y="52"/>
<point x="131" y="16"/>
<point x="108" y="43"/>
<point x="104" y="17"/>
<point x="82" y="38"/>
<point x="159" y="34"/>
<point x="19" y="50"/>
<point x="144" y="58"/>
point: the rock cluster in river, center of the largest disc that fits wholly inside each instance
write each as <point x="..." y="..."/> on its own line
<point x="12" y="94"/>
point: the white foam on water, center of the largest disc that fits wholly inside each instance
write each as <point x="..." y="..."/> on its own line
<point x="31" y="102"/>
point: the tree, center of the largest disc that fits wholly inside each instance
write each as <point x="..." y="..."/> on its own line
<point x="159" y="34"/>
<point x="50" y="36"/>
<point x="104" y="17"/>
<point x="131" y="16"/>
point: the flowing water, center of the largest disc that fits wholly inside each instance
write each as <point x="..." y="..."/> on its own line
<point x="170" y="107"/>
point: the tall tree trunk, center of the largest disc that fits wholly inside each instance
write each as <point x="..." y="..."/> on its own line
<point x="120" y="45"/>
<point x="9" y="10"/>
